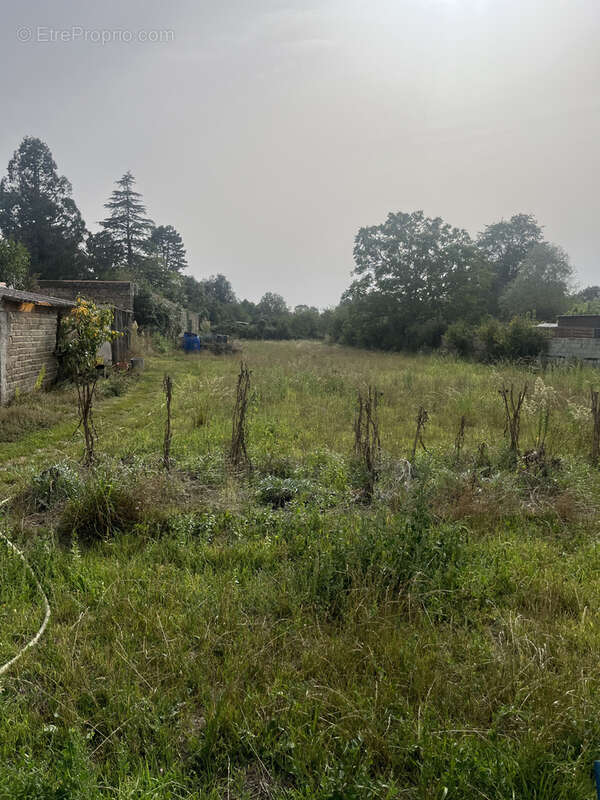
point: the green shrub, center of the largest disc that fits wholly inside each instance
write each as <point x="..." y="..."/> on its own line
<point x="460" y="339"/>
<point x="495" y="341"/>
<point x="524" y="339"/>
<point x="153" y="313"/>
<point x="490" y="340"/>
<point x="52" y="485"/>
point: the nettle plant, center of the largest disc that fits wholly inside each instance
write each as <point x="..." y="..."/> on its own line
<point x="82" y="332"/>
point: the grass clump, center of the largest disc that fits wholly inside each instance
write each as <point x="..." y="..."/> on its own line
<point x="106" y="504"/>
<point x="26" y="415"/>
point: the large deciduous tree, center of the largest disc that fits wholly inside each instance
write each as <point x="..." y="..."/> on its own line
<point x="506" y="243"/>
<point x="542" y="284"/>
<point x="272" y="304"/>
<point x="414" y="275"/>
<point x="127" y="223"/>
<point x="37" y="210"/>
<point x="218" y="290"/>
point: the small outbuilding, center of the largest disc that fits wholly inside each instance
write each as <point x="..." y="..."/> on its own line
<point x="576" y="338"/>
<point x="117" y="294"/>
<point x="28" y="339"/>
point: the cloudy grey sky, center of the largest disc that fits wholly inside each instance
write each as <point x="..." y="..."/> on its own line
<point x="267" y="132"/>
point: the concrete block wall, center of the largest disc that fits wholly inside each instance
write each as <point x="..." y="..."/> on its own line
<point x="574" y="349"/>
<point x="27" y="349"/>
<point x="112" y="293"/>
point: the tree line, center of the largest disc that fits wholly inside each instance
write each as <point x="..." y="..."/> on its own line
<point x="418" y="282"/>
<point x="44" y="237"/>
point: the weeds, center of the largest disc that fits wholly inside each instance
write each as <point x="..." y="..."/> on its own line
<point x="116" y="385"/>
<point x="233" y="634"/>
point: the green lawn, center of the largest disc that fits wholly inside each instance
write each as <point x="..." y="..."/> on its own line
<point x="439" y="642"/>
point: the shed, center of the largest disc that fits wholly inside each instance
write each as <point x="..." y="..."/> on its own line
<point x="118" y="294"/>
<point x="576" y="337"/>
<point x="28" y="338"/>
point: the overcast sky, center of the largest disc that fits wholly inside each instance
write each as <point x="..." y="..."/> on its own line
<point x="268" y="132"/>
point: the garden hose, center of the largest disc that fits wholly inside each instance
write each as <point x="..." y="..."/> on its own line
<point x="32" y="642"/>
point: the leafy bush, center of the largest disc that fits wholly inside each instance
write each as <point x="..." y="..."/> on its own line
<point x="493" y="340"/>
<point x="156" y="315"/>
<point x="460" y="339"/>
<point x="53" y="485"/>
<point x="489" y="341"/>
<point x="523" y="339"/>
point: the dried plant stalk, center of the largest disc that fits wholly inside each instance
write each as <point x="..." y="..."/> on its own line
<point x="422" y="420"/>
<point x="512" y="411"/>
<point x="168" y="390"/>
<point x="238" y="455"/>
<point x="460" y="438"/>
<point x="367" y="443"/>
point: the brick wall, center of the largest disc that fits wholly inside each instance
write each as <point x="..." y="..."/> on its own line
<point x="27" y="346"/>
<point x="112" y="293"/>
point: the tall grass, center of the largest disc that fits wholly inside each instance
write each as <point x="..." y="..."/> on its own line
<point x="267" y="635"/>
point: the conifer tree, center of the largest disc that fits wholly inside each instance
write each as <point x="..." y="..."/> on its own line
<point x="37" y="210"/>
<point x="127" y="222"/>
<point x="167" y="243"/>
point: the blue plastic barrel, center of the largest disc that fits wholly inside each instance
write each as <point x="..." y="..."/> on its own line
<point x="191" y="342"/>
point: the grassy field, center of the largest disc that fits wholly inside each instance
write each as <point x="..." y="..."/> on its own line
<point x="269" y="634"/>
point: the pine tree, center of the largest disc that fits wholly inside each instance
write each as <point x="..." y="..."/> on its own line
<point x="127" y="224"/>
<point x="37" y="210"/>
<point x="167" y="243"/>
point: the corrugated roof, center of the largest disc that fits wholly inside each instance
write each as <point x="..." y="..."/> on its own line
<point x="20" y="296"/>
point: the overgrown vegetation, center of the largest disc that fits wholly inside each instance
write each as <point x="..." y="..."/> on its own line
<point x="419" y="282"/>
<point x="267" y="633"/>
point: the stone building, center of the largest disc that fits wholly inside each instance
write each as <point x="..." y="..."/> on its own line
<point x="576" y="337"/>
<point x="118" y="294"/>
<point x="28" y="338"/>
